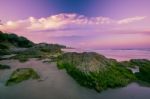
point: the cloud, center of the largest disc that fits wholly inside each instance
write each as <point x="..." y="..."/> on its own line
<point x="79" y="30"/>
<point x="65" y="21"/>
<point x="130" y="20"/>
<point x="55" y="22"/>
<point x="70" y="22"/>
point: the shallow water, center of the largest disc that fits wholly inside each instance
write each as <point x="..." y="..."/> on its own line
<point x="120" y="55"/>
<point x="58" y="84"/>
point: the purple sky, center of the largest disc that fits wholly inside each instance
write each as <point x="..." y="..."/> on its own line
<point x="92" y="24"/>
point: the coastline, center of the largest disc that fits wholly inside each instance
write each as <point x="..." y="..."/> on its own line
<point x="118" y="54"/>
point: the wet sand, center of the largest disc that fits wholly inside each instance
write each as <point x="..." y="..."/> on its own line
<point x="57" y="84"/>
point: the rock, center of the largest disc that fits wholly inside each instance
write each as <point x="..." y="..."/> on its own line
<point x="4" y="66"/>
<point x="25" y="49"/>
<point x="20" y="75"/>
<point x="95" y="71"/>
<point x="140" y="62"/>
<point x="144" y="69"/>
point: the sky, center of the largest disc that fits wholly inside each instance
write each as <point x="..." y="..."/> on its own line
<point x="89" y="24"/>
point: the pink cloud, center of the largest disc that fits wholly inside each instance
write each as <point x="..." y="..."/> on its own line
<point x="130" y="20"/>
<point x="78" y="30"/>
<point x="65" y="21"/>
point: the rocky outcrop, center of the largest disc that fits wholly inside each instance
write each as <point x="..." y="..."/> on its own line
<point x="95" y="71"/>
<point x="25" y="49"/>
<point x="144" y="69"/>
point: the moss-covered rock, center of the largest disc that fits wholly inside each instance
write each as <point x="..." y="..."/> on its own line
<point x="140" y="62"/>
<point x="4" y="66"/>
<point x="24" y="56"/>
<point x="144" y="73"/>
<point x="95" y="71"/>
<point x="25" y="49"/>
<point x="22" y="74"/>
<point x="144" y="69"/>
<point x="135" y="62"/>
<point x="34" y="53"/>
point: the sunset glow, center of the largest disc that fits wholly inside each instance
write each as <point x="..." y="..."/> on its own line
<point x="122" y="24"/>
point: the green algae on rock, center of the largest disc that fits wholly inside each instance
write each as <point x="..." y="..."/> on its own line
<point x="26" y="49"/>
<point x="95" y="71"/>
<point x="144" y="68"/>
<point x="4" y="66"/>
<point x="22" y="74"/>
